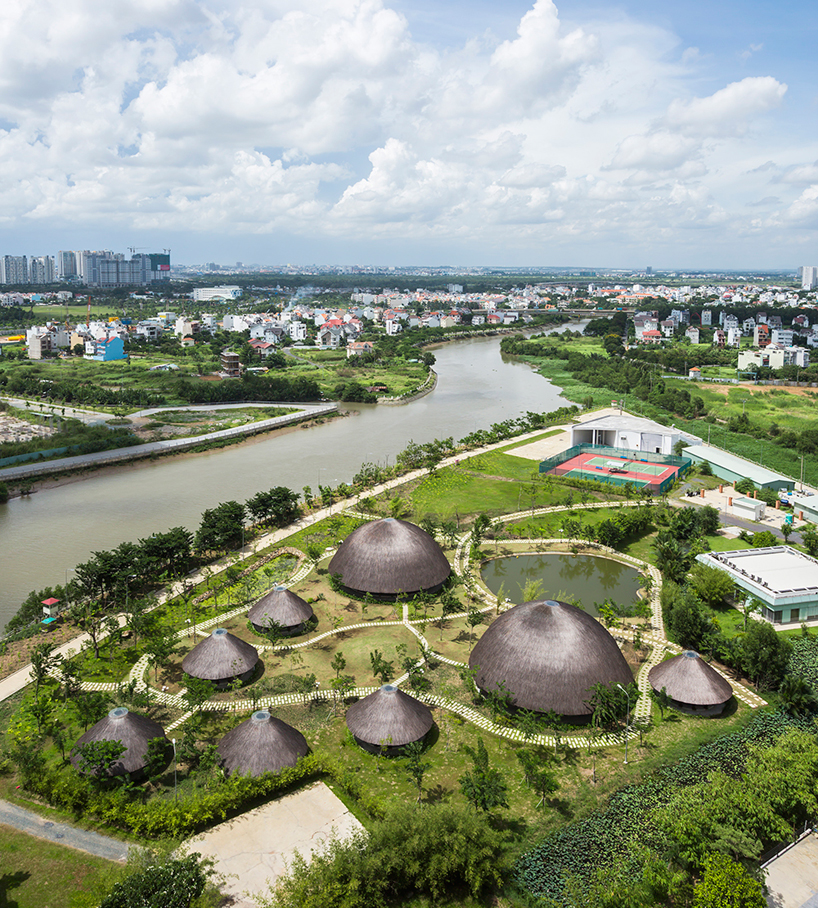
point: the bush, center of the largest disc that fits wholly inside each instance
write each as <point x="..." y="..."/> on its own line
<point x="437" y="852"/>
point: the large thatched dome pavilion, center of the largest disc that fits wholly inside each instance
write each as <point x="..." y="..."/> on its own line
<point x="692" y="685"/>
<point x="220" y="658"/>
<point x="549" y="655"/>
<point x="282" y="606"/>
<point x="388" y="718"/>
<point x="135" y="734"/>
<point x="389" y="558"/>
<point x="261" y="744"/>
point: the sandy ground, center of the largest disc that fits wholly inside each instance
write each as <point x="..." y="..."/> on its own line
<point x="793" y="878"/>
<point x="254" y="848"/>
<point x="547" y="447"/>
<point x="756" y="389"/>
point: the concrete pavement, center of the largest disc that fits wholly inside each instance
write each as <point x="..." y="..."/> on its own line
<point x="61" y="834"/>
<point x="255" y="847"/>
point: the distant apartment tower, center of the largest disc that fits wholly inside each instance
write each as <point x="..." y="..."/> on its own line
<point x="707" y="317"/>
<point x="809" y="277"/>
<point x="108" y="269"/>
<point x="66" y="265"/>
<point x="13" y="269"/>
<point x="41" y="269"/>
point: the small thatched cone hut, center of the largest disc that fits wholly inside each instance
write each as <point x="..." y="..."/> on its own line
<point x="133" y="731"/>
<point x="389" y="719"/>
<point x="220" y="658"/>
<point x="692" y="685"/>
<point x="388" y="558"/>
<point x="283" y="607"/>
<point x="549" y="655"/>
<point x="261" y="744"/>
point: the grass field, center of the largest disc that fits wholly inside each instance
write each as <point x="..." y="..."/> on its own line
<point x="40" y="874"/>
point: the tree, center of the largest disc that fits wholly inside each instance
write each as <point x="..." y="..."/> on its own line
<point x="91" y="706"/>
<point x="484" y="787"/>
<point x="198" y="692"/>
<point x="727" y="884"/>
<point x="174" y="884"/>
<point x="764" y="655"/>
<point x="797" y="695"/>
<point x="221" y="528"/>
<point x="416" y="767"/>
<point x="97" y="758"/>
<point x="712" y="585"/>
<point x="380" y="667"/>
<point x="662" y="699"/>
<point x="473" y="619"/>
<point x="43" y="662"/>
<point x="786" y="530"/>
<point x="809" y="536"/>
<point x="89" y="616"/>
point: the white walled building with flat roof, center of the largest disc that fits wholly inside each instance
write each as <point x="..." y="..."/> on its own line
<point x="783" y="579"/>
<point x="226" y="292"/>
<point x="632" y="432"/>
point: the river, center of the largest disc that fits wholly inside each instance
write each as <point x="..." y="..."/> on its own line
<point x="44" y="535"/>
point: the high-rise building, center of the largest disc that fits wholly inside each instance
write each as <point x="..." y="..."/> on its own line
<point x="41" y="269"/>
<point x="66" y="265"/>
<point x="108" y="269"/>
<point x="809" y="277"/>
<point x="13" y="269"/>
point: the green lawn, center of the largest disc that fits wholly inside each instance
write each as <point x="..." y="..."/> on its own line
<point x="40" y="874"/>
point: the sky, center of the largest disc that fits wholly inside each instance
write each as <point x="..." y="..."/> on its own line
<point x="399" y="132"/>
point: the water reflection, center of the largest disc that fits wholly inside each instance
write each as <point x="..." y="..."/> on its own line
<point x="585" y="579"/>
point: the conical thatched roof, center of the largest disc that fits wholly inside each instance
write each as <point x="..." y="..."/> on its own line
<point x="388" y="557"/>
<point x="548" y="654"/>
<point x="688" y="679"/>
<point x="220" y="656"/>
<point x="282" y="606"/>
<point x="261" y="744"/>
<point x="389" y="717"/>
<point x="135" y="732"/>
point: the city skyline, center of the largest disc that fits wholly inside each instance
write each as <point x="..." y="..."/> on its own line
<point x="410" y="131"/>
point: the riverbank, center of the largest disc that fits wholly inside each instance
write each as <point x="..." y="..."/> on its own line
<point x="210" y="440"/>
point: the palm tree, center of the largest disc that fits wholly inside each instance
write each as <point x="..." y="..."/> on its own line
<point x="797" y="695"/>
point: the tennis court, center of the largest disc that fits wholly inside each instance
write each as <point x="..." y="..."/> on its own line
<point x="616" y="469"/>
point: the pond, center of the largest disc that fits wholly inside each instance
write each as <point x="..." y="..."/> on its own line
<point x="582" y="579"/>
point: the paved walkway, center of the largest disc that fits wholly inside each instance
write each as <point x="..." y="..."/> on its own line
<point x="255" y="847"/>
<point x="62" y="834"/>
<point x="792" y="877"/>
<point x="102" y="458"/>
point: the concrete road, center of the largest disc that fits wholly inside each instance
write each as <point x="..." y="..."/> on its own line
<point x="62" y="834"/>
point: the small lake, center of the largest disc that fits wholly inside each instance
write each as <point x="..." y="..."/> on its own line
<point x="584" y="579"/>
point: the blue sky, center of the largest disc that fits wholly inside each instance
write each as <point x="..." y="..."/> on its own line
<point x="413" y="132"/>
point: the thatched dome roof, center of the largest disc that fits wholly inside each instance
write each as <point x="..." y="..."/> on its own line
<point x="261" y="744"/>
<point x="282" y="606"/>
<point x="548" y="654"/>
<point x="688" y="679"/>
<point x="220" y="656"/>
<point x="389" y="717"/>
<point x="135" y="732"/>
<point x="388" y="557"/>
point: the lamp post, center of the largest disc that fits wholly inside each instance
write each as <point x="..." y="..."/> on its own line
<point x="744" y="404"/>
<point x="175" y="797"/>
<point x="627" y="719"/>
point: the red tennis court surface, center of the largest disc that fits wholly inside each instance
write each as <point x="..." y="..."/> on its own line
<point x="595" y="466"/>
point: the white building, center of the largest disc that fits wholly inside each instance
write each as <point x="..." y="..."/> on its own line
<point x="227" y="292"/>
<point x="13" y="269"/>
<point x="41" y="269"/>
<point x="631" y="432"/>
<point x="809" y="277"/>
